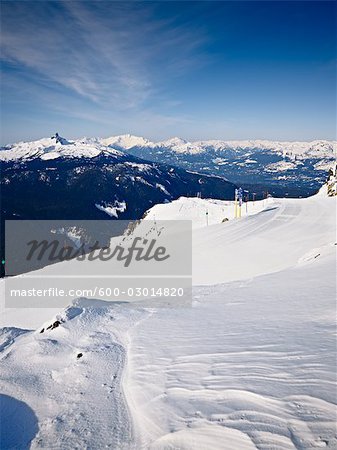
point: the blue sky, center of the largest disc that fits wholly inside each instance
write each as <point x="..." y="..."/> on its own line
<point x="198" y="70"/>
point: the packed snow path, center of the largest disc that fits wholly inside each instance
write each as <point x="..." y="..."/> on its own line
<point x="274" y="235"/>
<point x="272" y="240"/>
<point x="250" y="364"/>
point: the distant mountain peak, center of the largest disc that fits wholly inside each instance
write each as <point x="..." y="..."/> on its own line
<point x="55" y="147"/>
<point x="125" y="141"/>
<point x="173" y="141"/>
<point x="60" y="140"/>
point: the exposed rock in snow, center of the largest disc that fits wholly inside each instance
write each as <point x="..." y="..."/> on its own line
<point x="330" y="187"/>
<point x="60" y="140"/>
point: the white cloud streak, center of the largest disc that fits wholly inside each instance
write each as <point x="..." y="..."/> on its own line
<point x="116" y="55"/>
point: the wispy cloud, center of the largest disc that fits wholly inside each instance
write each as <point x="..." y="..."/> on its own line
<point x="195" y="69"/>
<point x="116" y="55"/>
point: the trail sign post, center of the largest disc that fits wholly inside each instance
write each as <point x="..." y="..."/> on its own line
<point x="246" y="199"/>
<point x="236" y="195"/>
<point x="240" y="192"/>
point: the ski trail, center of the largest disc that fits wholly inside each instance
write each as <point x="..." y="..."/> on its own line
<point x="269" y="241"/>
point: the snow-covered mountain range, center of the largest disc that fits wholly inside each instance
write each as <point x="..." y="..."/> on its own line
<point x="50" y="148"/>
<point x="282" y="168"/>
<point x="56" y="178"/>
<point x="318" y="148"/>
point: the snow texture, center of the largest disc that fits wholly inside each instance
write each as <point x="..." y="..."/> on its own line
<point x="251" y="364"/>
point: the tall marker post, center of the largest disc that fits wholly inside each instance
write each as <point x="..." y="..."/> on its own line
<point x="247" y="199"/>
<point x="236" y="203"/>
<point x="240" y="200"/>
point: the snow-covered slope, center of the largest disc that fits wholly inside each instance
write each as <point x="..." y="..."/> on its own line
<point x="68" y="381"/>
<point x="202" y="212"/>
<point x="227" y="251"/>
<point x="250" y="364"/>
